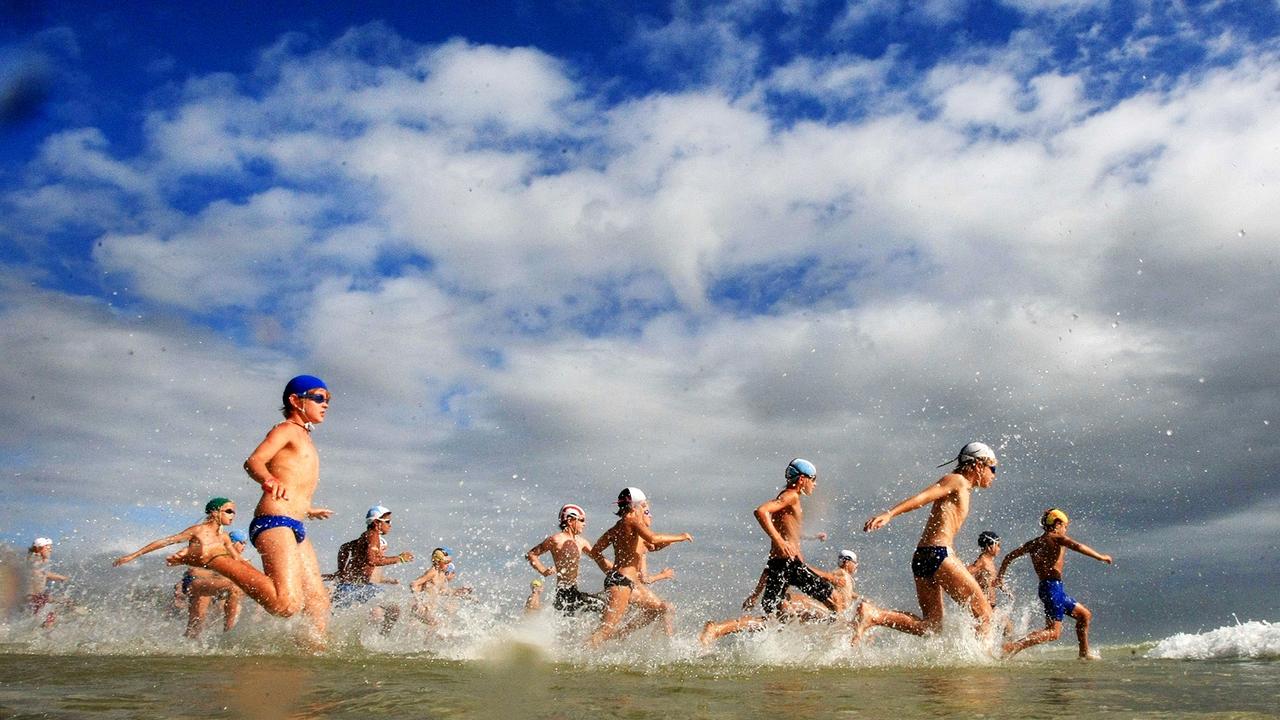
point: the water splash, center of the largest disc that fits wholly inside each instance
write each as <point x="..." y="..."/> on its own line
<point x="1256" y="639"/>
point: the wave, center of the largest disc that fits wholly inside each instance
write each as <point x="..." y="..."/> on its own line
<point x="1254" y="640"/>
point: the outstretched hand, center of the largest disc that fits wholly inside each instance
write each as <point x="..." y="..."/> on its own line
<point x="877" y="522"/>
<point x="319" y="514"/>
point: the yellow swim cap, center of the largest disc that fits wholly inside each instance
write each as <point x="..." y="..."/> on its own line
<point x="536" y="584"/>
<point x="1051" y="516"/>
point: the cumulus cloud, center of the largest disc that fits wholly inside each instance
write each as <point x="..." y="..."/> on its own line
<point x="523" y="287"/>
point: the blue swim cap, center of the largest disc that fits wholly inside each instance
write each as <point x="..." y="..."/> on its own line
<point x="799" y="467"/>
<point x="301" y="384"/>
<point x="238" y="536"/>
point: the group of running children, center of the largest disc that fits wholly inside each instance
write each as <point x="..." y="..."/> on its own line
<point x="286" y="466"/>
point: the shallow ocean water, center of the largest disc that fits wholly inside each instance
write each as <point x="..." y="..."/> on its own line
<point x="512" y="678"/>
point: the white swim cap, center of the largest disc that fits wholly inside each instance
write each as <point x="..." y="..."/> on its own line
<point x="631" y="496"/>
<point x="42" y="542"/>
<point x="377" y="512"/>
<point x="848" y="555"/>
<point x="973" y="452"/>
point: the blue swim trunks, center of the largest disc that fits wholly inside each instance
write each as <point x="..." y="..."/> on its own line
<point x="1057" y="603"/>
<point x="348" y="594"/>
<point x="187" y="579"/>
<point x="266" y="522"/>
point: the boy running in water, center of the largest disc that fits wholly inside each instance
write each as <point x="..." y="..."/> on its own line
<point x="781" y="519"/>
<point x="200" y="586"/>
<point x="934" y="565"/>
<point x="983" y="568"/>
<point x="1048" y="554"/>
<point x="632" y="539"/>
<point x="38" y="578"/>
<point x="359" y="561"/>
<point x="567" y="548"/>
<point x="287" y="466"/>
<point x="433" y="585"/>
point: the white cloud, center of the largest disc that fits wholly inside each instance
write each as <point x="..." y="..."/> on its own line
<point x="1025" y="265"/>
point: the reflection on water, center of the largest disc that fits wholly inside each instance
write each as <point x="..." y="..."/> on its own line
<point x="262" y="690"/>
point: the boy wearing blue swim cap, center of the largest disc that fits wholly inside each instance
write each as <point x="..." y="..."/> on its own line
<point x="287" y="467"/>
<point x="782" y="520"/>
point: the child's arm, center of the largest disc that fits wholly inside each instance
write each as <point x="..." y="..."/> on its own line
<point x="755" y="594"/>
<point x="153" y="545"/>
<point x="931" y="494"/>
<point x="256" y="465"/>
<point x="417" y="585"/>
<point x="602" y="561"/>
<point x="764" y="515"/>
<point x="319" y="513"/>
<point x="666" y="574"/>
<point x="534" y="556"/>
<point x="1084" y="549"/>
<point x="1008" y="559"/>
<point x="657" y="541"/>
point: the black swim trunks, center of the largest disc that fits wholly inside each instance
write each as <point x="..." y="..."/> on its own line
<point x="569" y="600"/>
<point x="616" y="579"/>
<point x="927" y="559"/>
<point x="782" y="572"/>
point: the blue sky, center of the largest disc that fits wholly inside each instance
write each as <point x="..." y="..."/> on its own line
<point x="542" y="251"/>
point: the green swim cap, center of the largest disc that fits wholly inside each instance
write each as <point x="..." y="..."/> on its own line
<point x="214" y="504"/>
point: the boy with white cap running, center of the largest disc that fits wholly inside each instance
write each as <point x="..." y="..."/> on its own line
<point x="567" y="548"/>
<point x="39" y="577"/>
<point x="934" y="565"/>
<point x="632" y="539"/>
<point x="359" y="561"/>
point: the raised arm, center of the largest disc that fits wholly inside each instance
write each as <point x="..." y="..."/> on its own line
<point x="153" y="545"/>
<point x="764" y="516"/>
<point x="1023" y="549"/>
<point x="1085" y="550"/>
<point x="931" y="494"/>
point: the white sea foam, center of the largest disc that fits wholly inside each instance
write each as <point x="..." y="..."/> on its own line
<point x="1255" y="640"/>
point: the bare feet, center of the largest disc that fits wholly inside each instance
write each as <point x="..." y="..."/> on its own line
<point x="1091" y="655"/>
<point x="863" y="620"/>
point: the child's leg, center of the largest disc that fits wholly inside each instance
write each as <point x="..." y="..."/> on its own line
<point x="1082" y="616"/>
<point x="651" y="608"/>
<point x="1051" y="631"/>
<point x="278" y="586"/>
<point x="713" y="630"/>
<point x="231" y="608"/>
<point x="316" y="596"/>
<point x="619" y="600"/>
<point x="197" y="607"/>
<point x="954" y="577"/>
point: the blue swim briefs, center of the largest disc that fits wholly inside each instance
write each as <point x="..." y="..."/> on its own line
<point x="266" y="522"/>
